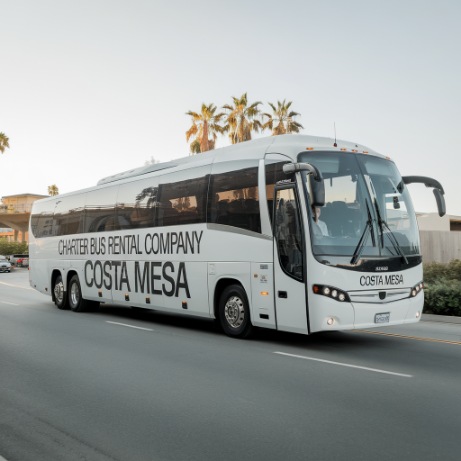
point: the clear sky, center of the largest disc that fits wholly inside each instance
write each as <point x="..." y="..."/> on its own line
<point x="90" y="88"/>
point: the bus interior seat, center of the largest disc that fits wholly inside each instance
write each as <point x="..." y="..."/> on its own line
<point x="167" y="215"/>
<point x="339" y="219"/>
<point x="222" y="216"/>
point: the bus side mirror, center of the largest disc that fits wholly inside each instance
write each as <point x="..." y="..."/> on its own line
<point x="440" y="199"/>
<point x="315" y="180"/>
<point x="430" y="182"/>
<point x="318" y="191"/>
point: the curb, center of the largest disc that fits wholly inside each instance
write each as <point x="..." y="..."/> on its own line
<point x="441" y="318"/>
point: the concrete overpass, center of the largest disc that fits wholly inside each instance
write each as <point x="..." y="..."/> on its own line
<point x="15" y="213"/>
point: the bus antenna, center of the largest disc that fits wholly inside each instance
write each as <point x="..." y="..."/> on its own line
<point x="334" y="127"/>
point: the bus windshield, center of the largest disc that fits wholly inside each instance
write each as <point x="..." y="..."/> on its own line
<point x="367" y="212"/>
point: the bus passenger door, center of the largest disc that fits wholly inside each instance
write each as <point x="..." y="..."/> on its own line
<point x="289" y="262"/>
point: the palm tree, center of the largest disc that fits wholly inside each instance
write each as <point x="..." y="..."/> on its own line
<point x="4" y="142"/>
<point x="241" y="120"/>
<point x="281" y="121"/>
<point x="205" y="126"/>
<point x="53" y="190"/>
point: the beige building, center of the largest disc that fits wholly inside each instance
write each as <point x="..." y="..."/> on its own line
<point x="15" y="214"/>
<point x="440" y="237"/>
<point x="433" y="222"/>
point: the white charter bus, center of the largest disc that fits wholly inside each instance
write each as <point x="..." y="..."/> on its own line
<point x="293" y="233"/>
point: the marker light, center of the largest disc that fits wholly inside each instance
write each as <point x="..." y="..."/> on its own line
<point x="331" y="292"/>
<point x="330" y="321"/>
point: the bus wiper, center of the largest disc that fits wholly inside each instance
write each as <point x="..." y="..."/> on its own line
<point x="390" y="235"/>
<point x="363" y="239"/>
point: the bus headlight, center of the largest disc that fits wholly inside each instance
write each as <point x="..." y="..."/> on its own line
<point x="418" y="288"/>
<point x="331" y="292"/>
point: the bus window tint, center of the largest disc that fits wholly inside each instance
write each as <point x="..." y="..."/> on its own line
<point x="182" y="202"/>
<point x="68" y="215"/>
<point x="41" y="222"/>
<point x="136" y="204"/>
<point x="100" y="210"/>
<point x="234" y="199"/>
<point x="288" y="233"/>
<point x="274" y="173"/>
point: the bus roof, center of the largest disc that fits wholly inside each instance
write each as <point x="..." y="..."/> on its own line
<point x="289" y="144"/>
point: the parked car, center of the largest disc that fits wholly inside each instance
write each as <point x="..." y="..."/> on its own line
<point x="16" y="260"/>
<point x="24" y="262"/>
<point x="5" y="266"/>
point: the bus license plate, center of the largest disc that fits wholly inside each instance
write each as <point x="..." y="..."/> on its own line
<point x="382" y="318"/>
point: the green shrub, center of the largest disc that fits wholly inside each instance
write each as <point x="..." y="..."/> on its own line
<point x="443" y="297"/>
<point x="437" y="271"/>
<point x="442" y="291"/>
<point x="454" y="270"/>
<point x="10" y="248"/>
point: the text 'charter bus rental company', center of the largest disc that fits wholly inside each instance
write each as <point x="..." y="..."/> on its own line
<point x="294" y="233"/>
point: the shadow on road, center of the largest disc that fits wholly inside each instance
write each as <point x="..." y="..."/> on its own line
<point x="321" y="341"/>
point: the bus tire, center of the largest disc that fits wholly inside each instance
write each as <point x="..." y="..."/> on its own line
<point x="234" y="312"/>
<point x="60" y="296"/>
<point x="76" y="301"/>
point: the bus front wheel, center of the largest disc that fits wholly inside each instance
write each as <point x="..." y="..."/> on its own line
<point x="234" y="312"/>
<point x="60" y="298"/>
<point x="76" y="301"/>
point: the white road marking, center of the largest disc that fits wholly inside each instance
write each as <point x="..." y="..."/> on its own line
<point x="130" y="326"/>
<point x="11" y="304"/>
<point x="375" y="370"/>
<point x="15" y="286"/>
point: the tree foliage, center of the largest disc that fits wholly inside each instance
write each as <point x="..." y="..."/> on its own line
<point x="206" y="125"/>
<point x="53" y="190"/>
<point x="281" y="121"/>
<point x="10" y="248"/>
<point x="241" y="119"/>
<point x="4" y="142"/>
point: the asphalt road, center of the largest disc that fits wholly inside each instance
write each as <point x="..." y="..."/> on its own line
<point x="119" y="385"/>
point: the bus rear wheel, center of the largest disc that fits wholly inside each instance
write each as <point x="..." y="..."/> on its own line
<point x="76" y="301"/>
<point x="234" y="312"/>
<point x="60" y="298"/>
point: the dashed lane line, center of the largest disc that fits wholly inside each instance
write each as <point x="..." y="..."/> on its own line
<point x="358" y="367"/>
<point x="130" y="326"/>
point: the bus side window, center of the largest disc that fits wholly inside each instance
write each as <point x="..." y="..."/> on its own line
<point x="234" y="199"/>
<point x="182" y="202"/>
<point x="100" y="210"/>
<point x="136" y="204"/>
<point x="69" y="216"/>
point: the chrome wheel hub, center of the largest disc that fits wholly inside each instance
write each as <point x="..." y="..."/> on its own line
<point x="234" y="311"/>
<point x="74" y="294"/>
<point x="59" y="292"/>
